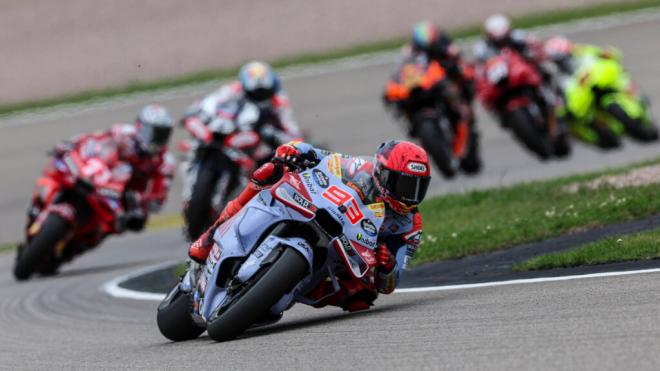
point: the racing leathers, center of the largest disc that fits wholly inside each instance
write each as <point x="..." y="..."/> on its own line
<point x="221" y="109"/>
<point x="397" y="240"/>
<point x="458" y="87"/>
<point x="524" y="43"/>
<point x="137" y="182"/>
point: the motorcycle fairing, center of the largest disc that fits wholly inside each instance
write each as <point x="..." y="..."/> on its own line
<point x="237" y="237"/>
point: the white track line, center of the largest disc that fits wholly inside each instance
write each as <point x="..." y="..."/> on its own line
<point x="112" y="287"/>
<point x="305" y="70"/>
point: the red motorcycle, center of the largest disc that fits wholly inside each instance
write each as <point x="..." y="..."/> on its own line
<point x="73" y="209"/>
<point x="513" y="89"/>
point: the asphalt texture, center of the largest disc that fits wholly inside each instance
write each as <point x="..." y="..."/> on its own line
<point x="67" y="322"/>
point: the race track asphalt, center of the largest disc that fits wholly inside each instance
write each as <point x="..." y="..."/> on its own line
<point x="67" y="322"/>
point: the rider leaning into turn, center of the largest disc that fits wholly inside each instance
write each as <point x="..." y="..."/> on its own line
<point x="257" y="84"/>
<point x="398" y="176"/>
<point x="586" y="74"/>
<point x="429" y="43"/>
<point x="136" y="155"/>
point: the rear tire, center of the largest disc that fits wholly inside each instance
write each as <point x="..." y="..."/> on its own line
<point x="198" y="213"/>
<point x="522" y="124"/>
<point x="254" y="301"/>
<point x="174" y="317"/>
<point x="635" y="128"/>
<point x="32" y="255"/>
<point x="434" y="142"/>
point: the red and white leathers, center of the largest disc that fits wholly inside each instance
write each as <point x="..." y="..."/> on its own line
<point x="398" y="238"/>
<point x="528" y="45"/>
<point x="227" y="102"/>
<point x="138" y="181"/>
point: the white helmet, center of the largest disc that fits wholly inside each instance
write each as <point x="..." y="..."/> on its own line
<point x="154" y="127"/>
<point x="497" y="27"/>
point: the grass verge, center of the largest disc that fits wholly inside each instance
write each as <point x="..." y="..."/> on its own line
<point x="484" y="221"/>
<point x="7" y="247"/>
<point x="639" y="246"/>
<point x="533" y="20"/>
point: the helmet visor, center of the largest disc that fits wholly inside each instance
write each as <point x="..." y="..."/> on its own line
<point x="155" y="138"/>
<point x="408" y="189"/>
<point x="260" y="94"/>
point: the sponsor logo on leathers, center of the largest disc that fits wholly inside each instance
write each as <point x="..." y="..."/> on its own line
<point x="368" y="227"/>
<point x="320" y="178"/>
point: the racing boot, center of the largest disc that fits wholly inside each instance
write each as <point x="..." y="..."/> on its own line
<point x="265" y="176"/>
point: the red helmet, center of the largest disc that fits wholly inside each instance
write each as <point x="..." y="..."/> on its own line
<point x="402" y="174"/>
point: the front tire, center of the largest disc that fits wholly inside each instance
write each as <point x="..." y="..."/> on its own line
<point x="174" y="317"/>
<point x="522" y="124"/>
<point x="434" y="142"/>
<point x="634" y="127"/>
<point x="256" y="298"/>
<point x="198" y="213"/>
<point x="32" y="255"/>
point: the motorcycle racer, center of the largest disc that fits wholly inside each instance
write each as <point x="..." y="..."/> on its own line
<point x="430" y="45"/>
<point x="140" y="169"/>
<point x="256" y="84"/>
<point x="498" y="35"/>
<point x="397" y="177"/>
<point x="591" y="77"/>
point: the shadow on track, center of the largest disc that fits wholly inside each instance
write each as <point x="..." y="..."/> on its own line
<point x="325" y="319"/>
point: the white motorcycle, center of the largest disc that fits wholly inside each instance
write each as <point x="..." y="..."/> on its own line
<point x="308" y="228"/>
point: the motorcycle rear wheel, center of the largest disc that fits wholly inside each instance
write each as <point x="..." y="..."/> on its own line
<point x="435" y="143"/>
<point x="53" y="229"/>
<point x="258" y="295"/>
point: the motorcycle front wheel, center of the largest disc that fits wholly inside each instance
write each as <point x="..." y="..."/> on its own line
<point x="174" y="317"/>
<point x="434" y="142"/>
<point x="524" y="129"/>
<point x="634" y="127"/>
<point x="255" y="298"/>
<point x="198" y="214"/>
<point x="53" y="229"/>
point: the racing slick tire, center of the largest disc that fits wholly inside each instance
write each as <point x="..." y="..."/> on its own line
<point x="434" y="142"/>
<point x="607" y="139"/>
<point x="53" y="229"/>
<point x="521" y="123"/>
<point x="472" y="163"/>
<point x="174" y="317"/>
<point x="635" y="128"/>
<point x="562" y="145"/>
<point x="253" y="301"/>
<point x="198" y="213"/>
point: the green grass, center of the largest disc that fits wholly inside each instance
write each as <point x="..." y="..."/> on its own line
<point x="639" y="246"/>
<point x="7" y="247"/>
<point x="539" y="19"/>
<point x="482" y="221"/>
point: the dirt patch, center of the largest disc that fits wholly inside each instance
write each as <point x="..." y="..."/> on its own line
<point x="65" y="46"/>
<point x="634" y="178"/>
